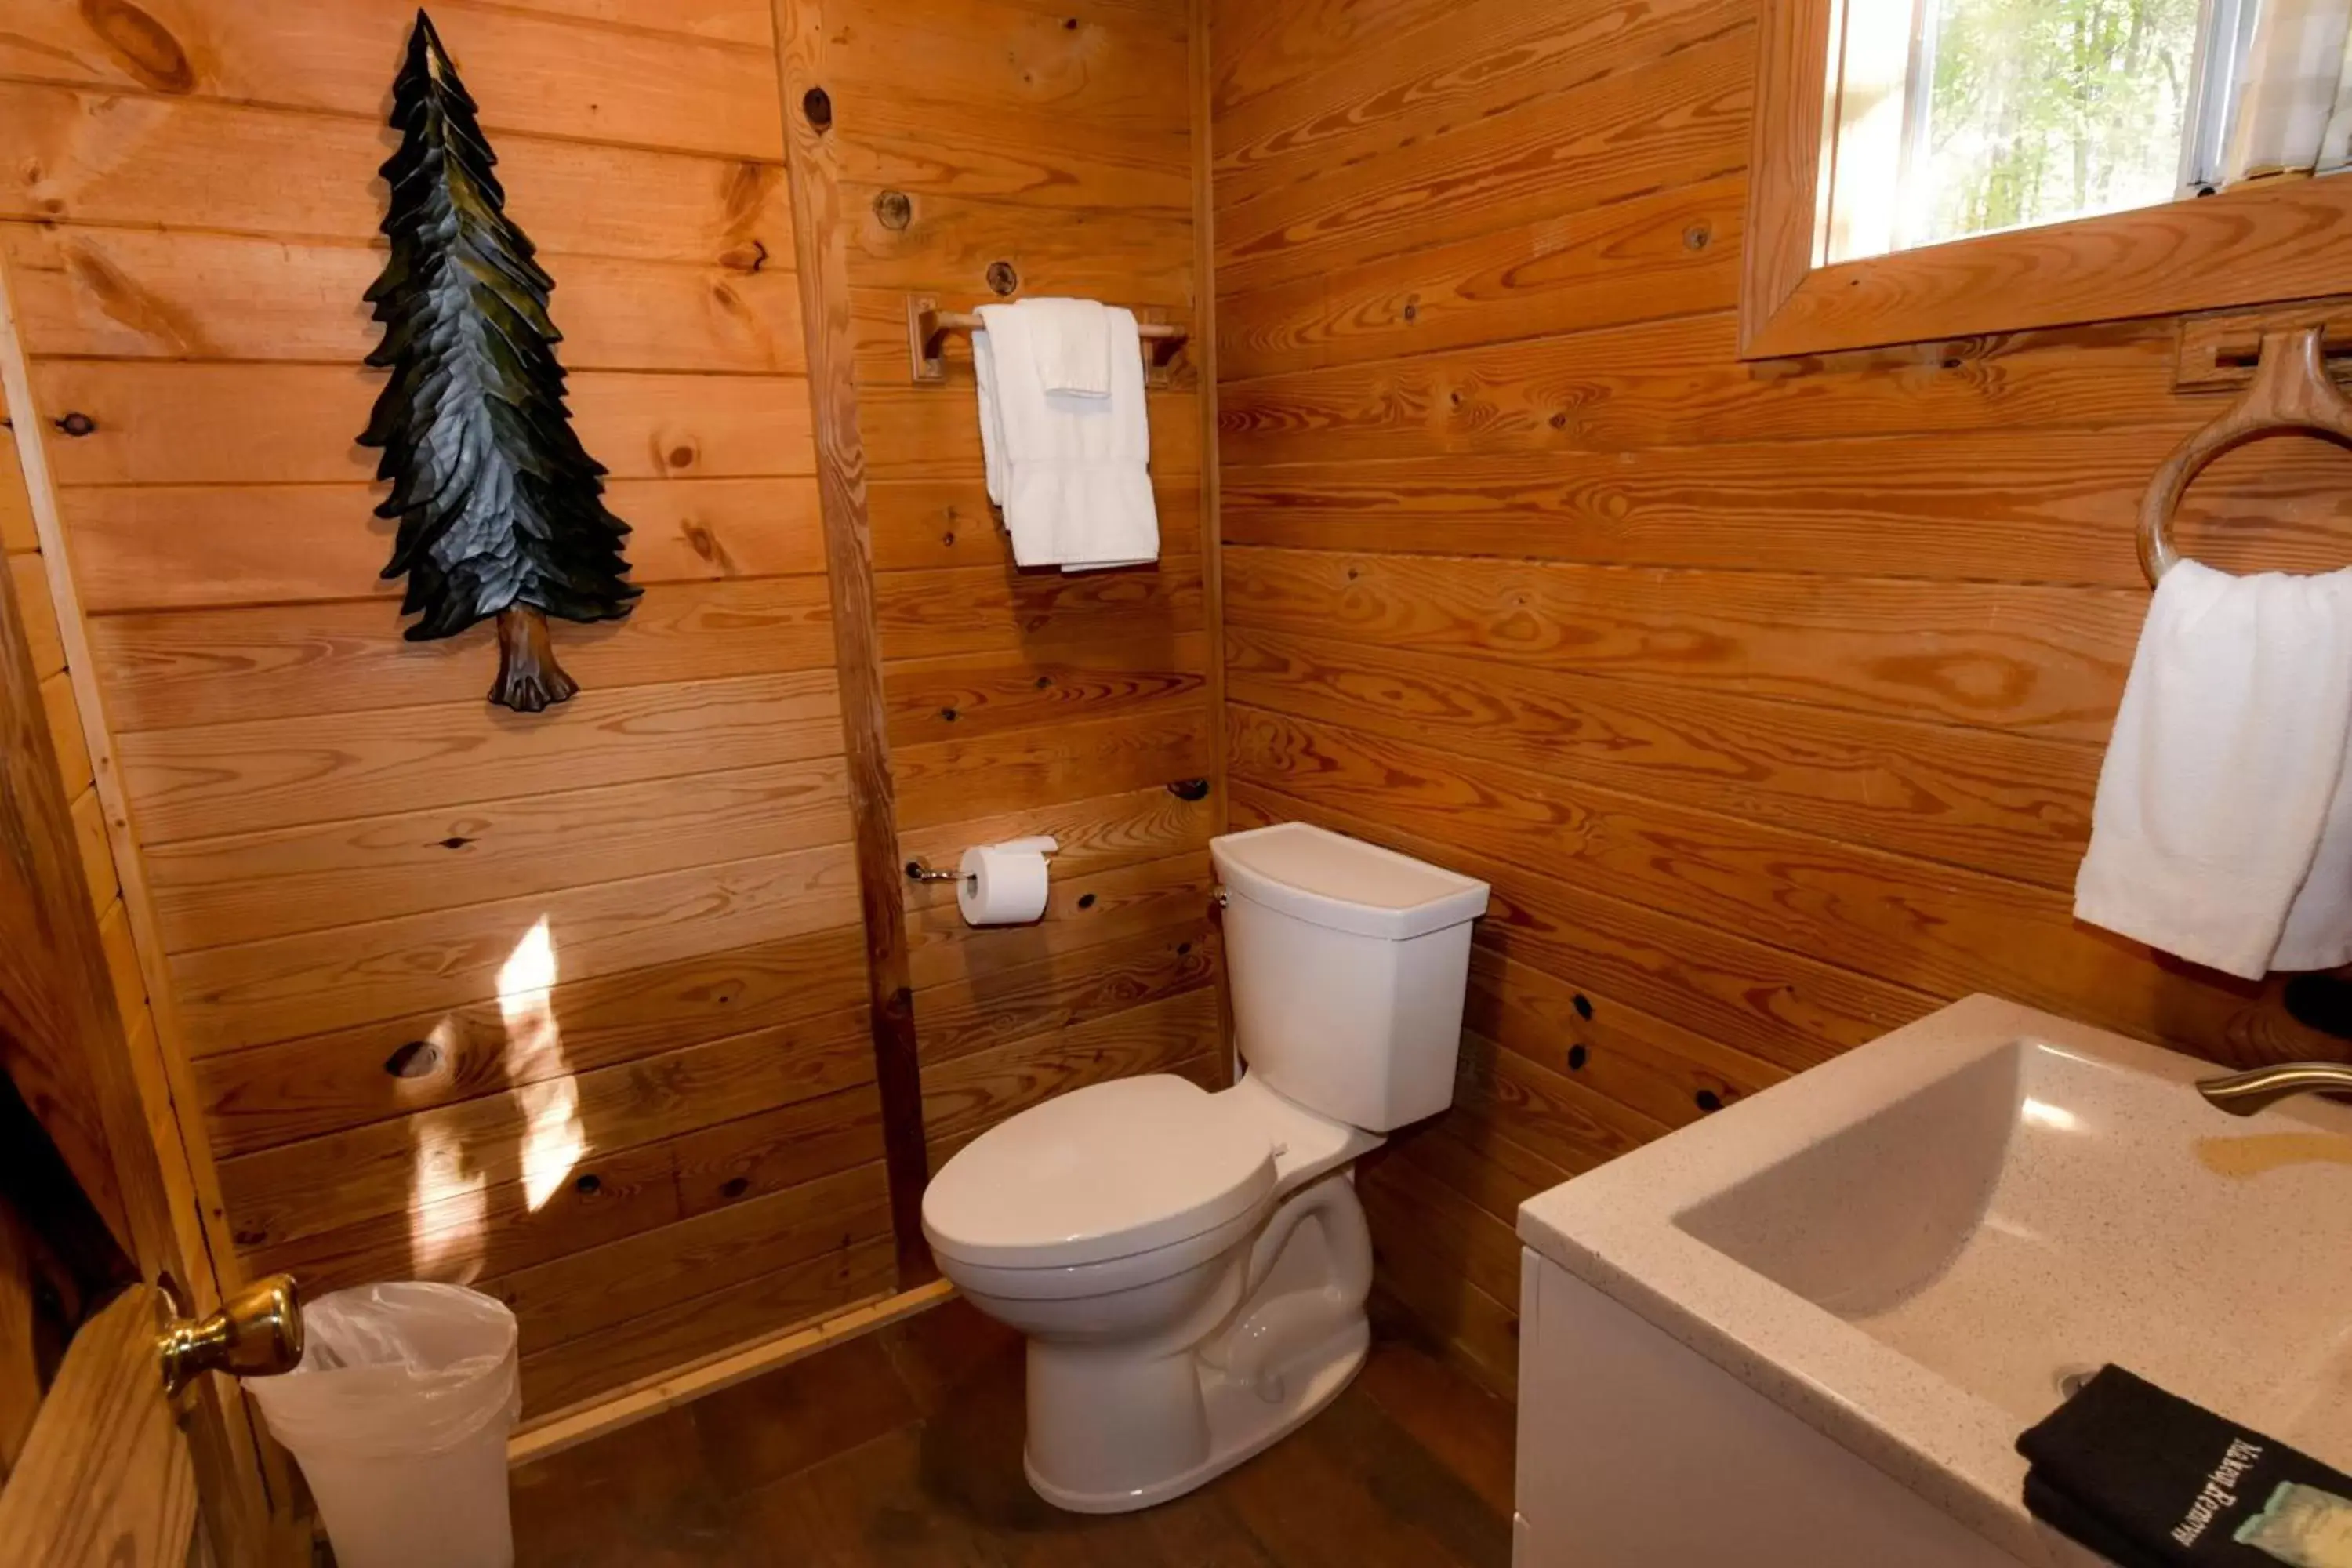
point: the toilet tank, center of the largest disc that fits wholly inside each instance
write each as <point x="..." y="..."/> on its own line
<point x="1347" y="964"/>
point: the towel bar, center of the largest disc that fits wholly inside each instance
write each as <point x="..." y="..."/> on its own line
<point x="927" y="327"/>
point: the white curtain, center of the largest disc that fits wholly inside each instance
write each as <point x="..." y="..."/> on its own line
<point x="2295" y="105"/>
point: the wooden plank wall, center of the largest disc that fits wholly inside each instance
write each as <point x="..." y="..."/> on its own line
<point x="1055" y="137"/>
<point x="1770" y="698"/>
<point x="655" y="1130"/>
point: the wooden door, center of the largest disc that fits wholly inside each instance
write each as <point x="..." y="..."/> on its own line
<point x="106" y="1431"/>
<point x="108" y="1476"/>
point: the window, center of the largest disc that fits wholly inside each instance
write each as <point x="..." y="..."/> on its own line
<point x="1928" y="170"/>
<point x="1955" y="118"/>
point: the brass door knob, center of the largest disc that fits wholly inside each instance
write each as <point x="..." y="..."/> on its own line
<point x="257" y="1333"/>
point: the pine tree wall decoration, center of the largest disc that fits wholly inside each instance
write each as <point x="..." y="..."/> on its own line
<point x="501" y="510"/>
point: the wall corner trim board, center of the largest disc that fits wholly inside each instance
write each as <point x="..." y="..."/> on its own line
<point x="819" y="232"/>
<point x="1202" y="78"/>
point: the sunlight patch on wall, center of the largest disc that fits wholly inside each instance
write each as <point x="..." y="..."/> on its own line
<point x="447" y="1202"/>
<point x="552" y="1140"/>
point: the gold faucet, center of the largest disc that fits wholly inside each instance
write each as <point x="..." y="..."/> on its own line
<point x="2244" y="1094"/>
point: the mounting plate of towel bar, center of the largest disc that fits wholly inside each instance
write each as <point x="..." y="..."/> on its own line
<point x="2219" y="348"/>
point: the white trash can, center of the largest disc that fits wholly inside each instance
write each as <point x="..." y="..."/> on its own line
<point x="398" y="1414"/>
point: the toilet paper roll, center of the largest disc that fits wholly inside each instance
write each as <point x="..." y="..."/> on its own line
<point x="1003" y="884"/>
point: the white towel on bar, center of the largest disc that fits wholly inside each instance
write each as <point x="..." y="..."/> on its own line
<point x="1071" y="339"/>
<point x="2222" y="831"/>
<point x="991" y="424"/>
<point x="1072" y="473"/>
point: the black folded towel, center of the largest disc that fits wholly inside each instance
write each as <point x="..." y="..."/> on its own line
<point x="2152" y="1481"/>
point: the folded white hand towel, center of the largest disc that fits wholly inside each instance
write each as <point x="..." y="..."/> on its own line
<point x="1075" y="480"/>
<point x="2227" y="772"/>
<point x="1072" y="339"/>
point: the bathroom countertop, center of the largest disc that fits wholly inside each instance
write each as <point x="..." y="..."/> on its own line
<point x="1842" y="1346"/>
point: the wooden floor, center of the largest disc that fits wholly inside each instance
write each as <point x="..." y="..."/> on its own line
<point x="904" y="1447"/>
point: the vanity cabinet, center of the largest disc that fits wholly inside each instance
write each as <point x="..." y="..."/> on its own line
<point x="1633" y="1451"/>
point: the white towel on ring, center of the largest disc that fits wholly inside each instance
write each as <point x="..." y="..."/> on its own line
<point x="2222" y="830"/>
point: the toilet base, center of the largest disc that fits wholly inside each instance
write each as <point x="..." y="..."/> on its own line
<point x="1242" y="1424"/>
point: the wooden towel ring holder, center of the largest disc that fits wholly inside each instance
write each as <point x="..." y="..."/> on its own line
<point x="2291" y="394"/>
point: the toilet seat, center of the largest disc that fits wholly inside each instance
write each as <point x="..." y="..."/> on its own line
<point x="1074" y="1281"/>
<point x="1138" y="1166"/>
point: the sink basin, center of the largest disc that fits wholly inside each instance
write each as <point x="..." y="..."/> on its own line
<point x="2040" y="1211"/>
<point x="1918" y="1248"/>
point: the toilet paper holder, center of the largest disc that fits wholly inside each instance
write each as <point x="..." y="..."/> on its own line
<point x="919" y="872"/>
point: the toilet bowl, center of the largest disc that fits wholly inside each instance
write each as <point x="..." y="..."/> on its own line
<point x="1190" y="1267"/>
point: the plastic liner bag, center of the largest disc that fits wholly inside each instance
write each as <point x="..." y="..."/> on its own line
<point x="398" y="1414"/>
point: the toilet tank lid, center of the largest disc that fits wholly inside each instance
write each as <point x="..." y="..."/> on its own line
<point x="1329" y="879"/>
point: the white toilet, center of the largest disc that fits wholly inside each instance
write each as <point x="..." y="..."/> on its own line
<point x="1190" y="1268"/>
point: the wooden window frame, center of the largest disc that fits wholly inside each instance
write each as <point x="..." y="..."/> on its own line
<point x="2283" y="239"/>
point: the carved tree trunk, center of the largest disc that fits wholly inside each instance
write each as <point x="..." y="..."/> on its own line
<point x="528" y="677"/>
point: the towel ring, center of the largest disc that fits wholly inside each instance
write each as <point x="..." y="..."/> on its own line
<point x="2291" y="394"/>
